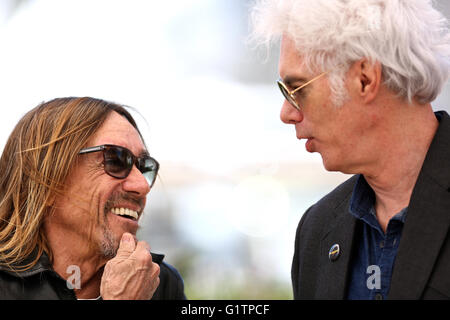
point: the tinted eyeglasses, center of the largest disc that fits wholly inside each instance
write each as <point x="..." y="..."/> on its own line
<point x="290" y="94"/>
<point x="118" y="162"/>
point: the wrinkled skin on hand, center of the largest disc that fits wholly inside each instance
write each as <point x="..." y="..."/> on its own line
<point x="131" y="274"/>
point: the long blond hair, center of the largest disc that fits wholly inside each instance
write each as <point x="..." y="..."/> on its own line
<point x="35" y="163"/>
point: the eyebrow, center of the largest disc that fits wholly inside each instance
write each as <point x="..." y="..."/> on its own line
<point x="144" y="153"/>
<point x="289" y="80"/>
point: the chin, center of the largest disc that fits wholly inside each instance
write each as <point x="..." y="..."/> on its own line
<point x="109" y="244"/>
<point x="330" y="164"/>
<point x="327" y="164"/>
<point x="331" y="168"/>
<point x="340" y="166"/>
<point x="110" y="239"/>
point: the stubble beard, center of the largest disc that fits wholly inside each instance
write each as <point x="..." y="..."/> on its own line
<point x="109" y="244"/>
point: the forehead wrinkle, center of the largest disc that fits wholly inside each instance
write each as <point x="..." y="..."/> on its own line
<point x="118" y="131"/>
<point x="144" y="153"/>
<point x="136" y="149"/>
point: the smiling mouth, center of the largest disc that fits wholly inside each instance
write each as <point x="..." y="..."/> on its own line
<point x="126" y="213"/>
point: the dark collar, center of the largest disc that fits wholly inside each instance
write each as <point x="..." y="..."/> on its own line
<point x="363" y="198"/>
<point x="362" y="205"/>
<point x="43" y="264"/>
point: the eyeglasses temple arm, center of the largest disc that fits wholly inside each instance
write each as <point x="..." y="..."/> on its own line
<point x="91" y="149"/>
<point x="305" y="84"/>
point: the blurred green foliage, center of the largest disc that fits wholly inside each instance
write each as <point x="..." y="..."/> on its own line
<point x="216" y="285"/>
<point x="267" y="290"/>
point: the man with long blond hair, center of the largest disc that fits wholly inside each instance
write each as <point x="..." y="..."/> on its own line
<point x="75" y="173"/>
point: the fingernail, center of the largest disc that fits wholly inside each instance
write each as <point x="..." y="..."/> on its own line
<point x="126" y="237"/>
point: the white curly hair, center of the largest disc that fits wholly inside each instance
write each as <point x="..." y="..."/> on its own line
<point x="409" y="38"/>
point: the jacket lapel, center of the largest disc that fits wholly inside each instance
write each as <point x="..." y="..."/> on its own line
<point x="427" y="222"/>
<point x="332" y="275"/>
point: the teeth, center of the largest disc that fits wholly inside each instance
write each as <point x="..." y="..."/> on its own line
<point x="125" y="212"/>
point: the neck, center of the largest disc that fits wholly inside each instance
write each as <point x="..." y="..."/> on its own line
<point x="406" y="133"/>
<point x="79" y="265"/>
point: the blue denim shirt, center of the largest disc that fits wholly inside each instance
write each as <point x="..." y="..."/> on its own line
<point x="375" y="251"/>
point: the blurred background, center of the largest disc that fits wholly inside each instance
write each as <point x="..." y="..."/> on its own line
<point x="234" y="180"/>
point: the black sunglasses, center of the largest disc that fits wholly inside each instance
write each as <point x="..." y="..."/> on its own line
<point x="118" y="162"/>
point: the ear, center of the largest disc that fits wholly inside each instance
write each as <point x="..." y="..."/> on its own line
<point x="366" y="79"/>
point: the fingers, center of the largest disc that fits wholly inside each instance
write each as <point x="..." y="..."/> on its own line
<point x="132" y="274"/>
<point x="143" y="258"/>
<point x="155" y="285"/>
<point x="154" y="279"/>
<point x="142" y="249"/>
<point x="127" y="245"/>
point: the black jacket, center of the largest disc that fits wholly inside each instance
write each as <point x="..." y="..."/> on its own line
<point x="42" y="283"/>
<point x="422" y="265"/>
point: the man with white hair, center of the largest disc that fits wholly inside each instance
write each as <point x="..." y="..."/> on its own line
<point x="359" y="77"/>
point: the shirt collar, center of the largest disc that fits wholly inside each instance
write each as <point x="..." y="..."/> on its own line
<point x="43" y="264"/>
<point x="363" y="198"/>
<point x="362" y="204"/>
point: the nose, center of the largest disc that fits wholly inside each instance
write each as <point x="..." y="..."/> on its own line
<point x="289" y="114"/>
<point x="136" y="183"/>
